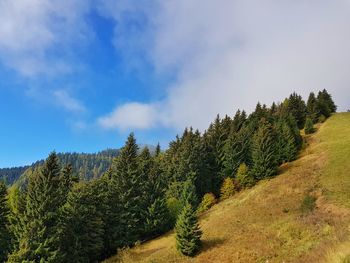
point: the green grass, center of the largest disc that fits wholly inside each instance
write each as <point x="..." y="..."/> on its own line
<point x="266" y="222"/>
<point x="335" y="139"/>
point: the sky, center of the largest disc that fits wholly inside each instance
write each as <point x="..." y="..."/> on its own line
<point x="80" y="75"/>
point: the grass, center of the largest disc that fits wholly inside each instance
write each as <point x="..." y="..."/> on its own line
<point x="266" y="223"/>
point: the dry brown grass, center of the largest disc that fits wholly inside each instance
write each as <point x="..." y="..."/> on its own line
<point x="265" y="223"/>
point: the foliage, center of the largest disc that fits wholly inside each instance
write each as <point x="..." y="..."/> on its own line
<point x="244" y="177"/>
<point x="322" y="118"/>
<point x="208" y="201"/>
<point x="83" y="225"/>
<point x="5" y="236"/>
<point x="174" y="207"/>
<point x="188" y="233"/>
<point x="58" y="215"/>
<point x="309" y="126"/>
<point x="264" y="152"/>
<point x="227" y="188"/>
<point x="41" y="228"/>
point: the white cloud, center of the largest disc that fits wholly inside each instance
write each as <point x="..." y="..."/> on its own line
<point x="65" y="100"/>
<point x="130" y="115"/>
<point x="228" y="54"/>
<point x="36" y="35"/>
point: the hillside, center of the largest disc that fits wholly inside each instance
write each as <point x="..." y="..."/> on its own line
<point x="85" y="165"/>
<point x="266" y="223"/>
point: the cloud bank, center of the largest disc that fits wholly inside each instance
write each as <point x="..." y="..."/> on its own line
<point x="31" y="31"/>
<point x="228" y="54"/>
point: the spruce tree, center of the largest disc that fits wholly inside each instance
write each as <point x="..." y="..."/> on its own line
<point x="127" y="187"/>
<point x="83" y="225"/>
<point x="5" y="236"/>
<point x="286" y="146"/>
<point x="309" y="126"/>
<point x="313" y="111"/>
<point x="296" y="106"/>
<point x="263" y="153"/>
<point x="188" y="233"/>
<point x="154" y="209"/>
<point x="237" y="150"/>
<point x="40" y="240"/>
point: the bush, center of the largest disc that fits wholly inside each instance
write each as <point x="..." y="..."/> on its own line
<point x="322" y="119"/>
<point x="227" y="188"/>
<point x="309" y="126"/>
<point x="208" y="201"/>
<point x="243" y="176"/>
<point x="308" y="204"/>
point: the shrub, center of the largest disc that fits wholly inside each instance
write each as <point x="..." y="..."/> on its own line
<point x="243" y="176"/>
<point x="322" y="119"/>
<point x="309" y="126"/>
<point x="188" y="233"/>
<point x="227" y="188"/>
<point x="308" y="204"/>
<point x="208" y="201"/>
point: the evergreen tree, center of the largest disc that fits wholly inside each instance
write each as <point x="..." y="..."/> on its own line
<point x="155" y="211"/>
<point x="126" y="186"/>
<point x="188" y="233"/>
<point x="313" y="110"/>
<point x="296" y="106"/>
<point x="40" y="240"/>
<point x="286" y="146"/>
<point x="5" y="236"/>
<point x="237" y="150"/>
<point x="189" y="195"/>
<point x="158" y="150"/>
<point x="325" y="103"/>
<point x="309" y="126"/>
<point x="83" y="225"/>
<point x="263" y="153"/>
<point x="328" y="100"/>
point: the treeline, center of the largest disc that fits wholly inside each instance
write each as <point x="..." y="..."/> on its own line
<point x="57" y="218"/>
<point x="86" y="166"/>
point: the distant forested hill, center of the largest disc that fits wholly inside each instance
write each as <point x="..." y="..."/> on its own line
<point x="85" y="165"/>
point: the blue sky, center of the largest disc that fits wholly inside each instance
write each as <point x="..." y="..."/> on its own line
<point x="80" y="75"/>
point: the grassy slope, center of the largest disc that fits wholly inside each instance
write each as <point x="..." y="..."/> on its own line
<point x="265" y="224"/>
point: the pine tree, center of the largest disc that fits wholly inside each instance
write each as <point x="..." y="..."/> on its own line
<point x="40" y="240"/>
<point x="126" y="186"/>
<point x="263" y="154"/>
<point x="309" y="126"/>
<point x="5" y="236"/>
<point x="188" y="233"/>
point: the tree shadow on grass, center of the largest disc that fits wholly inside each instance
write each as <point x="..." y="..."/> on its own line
<point x="211" y="243"/>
